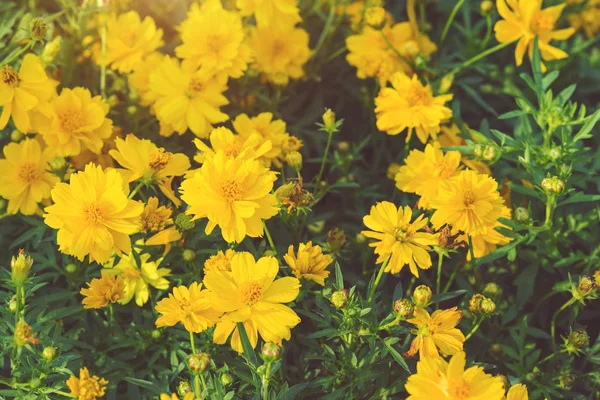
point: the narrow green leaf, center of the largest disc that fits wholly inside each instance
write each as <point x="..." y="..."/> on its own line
<point x="339" y="278"/>
<point x="585" y="130"/>
<point x="397" y="356"/>
<point x="249" y="353"/>
<point x="145" y="384"/>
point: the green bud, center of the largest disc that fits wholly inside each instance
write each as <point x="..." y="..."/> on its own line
<point x="343" y="147"/>
<point x="38" y="28"/>
<point x="188" y="255"/>
<point x="270" y="352"/>
<point x="71" y="268"/>
<point x="49" y="353"/>
<point x="492" y="289"/>
<point x="522" y="215"/>
<point x="488" y="306"/>
<point x="336" y="239"/>
<point x="184" y="222"/>
<point x="35" y="383"/>
<point x="360" y="238"/>
<point x="16" y="136"/>
<point x="12" y="304"/>
<point x="198" y="362"/>
<point x="156" y="334"/>
<point x="226" y="379"/>
<point x="404" y="308"/>
<point x="553" y="185"/>
<point x="496" y="350"/>
<point x="58" y="163"/>
<point x="576" y="340"/>
<point x="339" y="298"/>
<point x="184" y="387"/>
<point x="475" y="303"/>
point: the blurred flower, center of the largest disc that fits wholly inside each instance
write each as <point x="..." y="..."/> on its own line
<point x="103" y="158"/>
<point x="219" y="262"/>
<point x="436" y="331"/>
<point x="93" y="215"/>
<point x="139" y="78"/>
<point x="25" y="180"/>
<point x="587" y="19"/>
<point x="398" y="238"/>
<point x="51" y="50"/>
<point x="100" y="292"/>
<point x="234" y="146"/>
<point x="309" y="263"/>
<point x="410" y="105"/>
<point x="87" y="387"/>
<point x="281" y="14"/>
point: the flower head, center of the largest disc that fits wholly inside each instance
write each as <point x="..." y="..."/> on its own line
<point x="219" y="262"/>
<point x="87" y="387"/>
<point x="309" y="263"/>
<point x="234" y="146"/>
<point x="441" y="380"/>
<point x="93" y="215"/>
<point x="524" y="20"/>
<point x="410" y="105"/>
<point x="24" y="334"/>
<point x="488" y="241"/>
<point x="587" y="19"/>
<point x="189" y="306"/>
<point x="129" y="40"/>
<point x="399" y="239"/>
<point x="517" y="392"/>
<point x="25" y="180"/>
<point x="19" y="268"/>
<point x="282" y="14"/>
<point x="234" y="194"/>
<point x="100" y="292"/>
<point x="251" y="294"/>
<point x="470" y="202"/>
<point x="436" y="331"/>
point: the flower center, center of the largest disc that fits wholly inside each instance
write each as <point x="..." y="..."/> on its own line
<point x="153" y="222"/>
<point x="459" y="390"/>
<point x="29" y="173"/>
<point x="159" y="159"/>
<point x="232" y="150"/>
<point x="232" y="191"/>
<point x="92" y="214"/>
<point x="71" y="121"/>
<point x="9" y="76"/>
<point x="250" y="292"/>
<point x="130" y="38"/>
<point x="542" y="22"/>
<point x="443" y="170"/>
<point x="468" y="198"/>
<point x="132" y="273"/>
<point x="194" y="87"/>
<point x="216" y="42"/>
<point x="418" y="96"/>
<point x="401" y="233"/>
<point x="278" y="47"/>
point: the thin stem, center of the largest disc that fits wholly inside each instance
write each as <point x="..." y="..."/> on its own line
<point x="488" y="33"/>
<point x="377" y="279"/>
<point x="412" y="18"/>
<point x="439" y="275"/>
<point x="17" y="54"/>
<point x="326" y="29"/>
<point x="135" y="190"/>
<point x="269" y="238"/>
<point x="320" y="174"/>
<point x="481" y="55"/>
<point x="392" y="323"/>
<point x="111" y="313"/>
<point x="203" y="382"/>
<point x="475" y="328"/>
<point x="192" y="343"/>
<point x="64" y="394"/>
<point x="551" y="356"/>
<point x="471" y="252"/>
<point x="457" y="7"/>
<point x="550" y="205"/>
<point x="451" y="279"/>
<point x="265" y="382"/>
<point x="553" y="323"/>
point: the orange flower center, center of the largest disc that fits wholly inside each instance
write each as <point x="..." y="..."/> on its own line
<point x="542" y="22"/>
<point x="443" y="169"/>
<point x="195" y="86"/>
<point x="468" y="198"/>
<point x="153" y="222"/>
<point x="232" y="149"/>
<point x="250" y="292"/>
<point x="279" y="47"/>
<point x="159" y="159"/>
<point x="216" y="42"/>
<point x="71" y="120"/>
<point x="132" y="273"/>
<point x="459" y="390"/>
<point x="418" y="96"/>
<point x="92" y="214"/>
<point x="232" y="191"/>
<point x="9" y="76"/>
<point x="401" y="233"/>
<point x="29" y="173"/>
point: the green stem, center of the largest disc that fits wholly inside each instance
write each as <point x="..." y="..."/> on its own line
<point x="553" y="323"/>
<point x="550" y="206"/>
<point x="438" y="283"/>
<point x="488" y="33"/>
<point x="481" y="55"/>
<point x="111" y="313"/>
<point x="320" y="174"/>
<point x="377" y="279"/>
<point x="475" y="328"/>
<point x="135" y="190"/>
<point x="203" y="382"/>
<point x="265" y="382"/>
<point x="471" y="252"/>
<point x="457" y="7"/>
<point x="269" y="238"/>
<point x="192" y="343"/>
<point x="389" y="324"/>
<point x="326" y="29"/>
<point x="17" y="54"/>
<point x="551" y="356"/>
<point x="64" y="394"/>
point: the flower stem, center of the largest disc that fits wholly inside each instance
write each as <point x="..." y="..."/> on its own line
<point x="192" y="343"/>
<point x="135" y="190"/>
<point x="17" y="54"/>
<point x="111" y="321"/>
<point x="478" y="57"/>
<point x="412" y="18"/>
<point x="550" y="205"/>
<point x="203" y="382"/>
<point x="377" y="279"/>
<point x="475" y="328"/>
<point x="389" y="324"/>
<point x="265" y="382"/>
<point x="457" y="7"/>
<point x="471" y="252"/>
<point x="439" y="276"/>
<point x="551" y="356"/>
<point x="326" y="29"/>
<point x="320" y="174"/>
<point x="269" y="238"/>
<point x="553" y="323"/>
<point x="488" y="33"/>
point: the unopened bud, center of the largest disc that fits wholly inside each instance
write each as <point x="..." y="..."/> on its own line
<point x="329" y="121"/>
<point x="492" y="289"/>
<point x="343" y="147"/>
<point x="16" y="136"/>
<point x="393" y="170"/>
<point x="488" y="306"/>
<point x="270" y="352"/>
<point x="375" y="17"/>
<point x="490" y="153"/>
<point x="24" y="334"/>
<point x="184" y="222"/>
<point x="475" y="303"/>
<point x="422" y="295"/>
<point x="496" y="350"/>
<point x="339" y="298"/>
<point x="49" y="353"/>
<point x="71" y="268"/>
<point x="553" y="185"/>
<point x="585" y="287"/>
<point x="12" y="304"/>
<point x="184" y="387"/>
<point x="486" y="6"/>
<point x="522" y="215"/>
<point x="285" y="191"/>
<point x="336" y="239"/>
<point x="404" y="308"/>
<point x="360" y="238"/>
<point x="576" y="340"/>
<point x="20" y="267"/>
<point x="294" y="160"/>
<point x="554" y="153"/>
<point x="446" y="83"/>
<point x="188" y="255"/>
<point x="198" y="362"/>
<point x="38" y="28"/>
<point x="565" y="381"/>
<point x="226" y="379"/>
<point x="156" y="334"/>
<point x="478" y="150"/>
<point x="58" y="163"/>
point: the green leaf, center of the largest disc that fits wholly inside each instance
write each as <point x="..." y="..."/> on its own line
<point x="397" y="356"/>
<point x="339" y="278"/>
<point x="145" y="384"/>
<point x="566" y="94"/>
<point x="249" y="353"/>
<point x="437" y="298"/>
<point x="584" y="132"/>
<point x="549" y="79"/>
<point x="580" y="198"/>
<point x="536" y="65"/>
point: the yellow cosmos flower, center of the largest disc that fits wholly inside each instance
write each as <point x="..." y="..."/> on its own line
<point x="517" y="392"/>
<point x="424" y="170"/>
<point x="100" y="292"/>
<point x="189" y="306"/>
<point x="103" y="158"/>
<point x="434" y="332"/>
<point x="186" y="98"/>
<point x="485" y="243"/>
<point x="281" y="14"/>
<point x="525" y="20"/>
<point x="24" y="180"/>
<point x="93" y="215"/>
<point x="280" y="55"/>
<point x="234" y="194"/>
<point x="129" y="40"/>
<point x="25" y="94"/>
<point x="139" y="278"/>
<point x="234" y="146"/>
<point x="355" y="9"/>
<point x="87" y="387"/>
<point x="78" y="122"/>
<point x="139" y="79"/>
<point x="373" y="57"/>
<point x="213" y="38"/>
<point x="469" y="202"/>
<point x="441" y="380"/>
<point x="251" y="294"/>
<point x="398" y="238"/>
<point x="158" y="219"/>
<point x="219" y="262"/>
<point x="309" y="263"/>
<point x="587" y="19"/>
<point x="410" y="105"/>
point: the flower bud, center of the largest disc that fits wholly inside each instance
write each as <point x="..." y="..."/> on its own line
<point x="35" y="383"/>
<point x="58" y="164"/>
<point x="375" y="17"/>
<point x="24" y="334"/>
<point x="486" y="6"/>
<point x="49" y="353"/>
<point x="488" y="306"/>
<point x="584" y="288"/>
<point x="20" y="267"/>
<point x="336" y="239"/>
<point x="198" y="362"/>
<point x="522" y="215"/>
<point x="16" y="136"/>
<point x="51" y="50"/>
<point x="475" y="303"/>
<point x="490" y="153"/>
<point x="446" y="83"/>
<point x="38" y="28"/>
<point x="360" y="238"/>
<point x="554" y="153"/>
<point x="553" y="185"/>
<point x="184" y="222"/>
<point x="226" y="379"/>
<point x="270" y="352"/>
<point x="294" y="160"/>
<point x="496" y="350"/>
<point x="492" y="289"/>
<point x="343" y="147"/>
<point x="404" y="308"/>
<point x="71" y="268"/>
<point x="422" y="295"/>
<point x="478" y="150"/>
<point x="184" y="387"/>
<point x="188" y="255"/>
<point x="339" y="298"/>
<point x="576" y="340"/>
<point x="12" y="304"/>
<point x="565" y="381"/>
<point x="393" y="170"/>
<point x="156" y="334"/>
<point x="329" y="121"/>
<point x="284" y="191"/>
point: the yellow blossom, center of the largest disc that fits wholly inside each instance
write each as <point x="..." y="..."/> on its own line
<point x="309" y="263"/>
<point x="517" y="392"/>
<point x="234" y="146"/>
<point x="100" y="292"/>
<point x="490" y="239"/>
<point x="282" y="14"/>
<point x="588" y="18"/>
<point x="219" y="262"/>
<point x="139" y="78"/>
<point x="436" y="331"/>
<point x="448" y="137"/>
<point x="87" y="387"/>
<point x="103" y="158"/>
<point x="155" y="219"/>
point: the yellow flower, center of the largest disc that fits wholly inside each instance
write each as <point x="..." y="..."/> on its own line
<point x="93" y="215"/>
<point x="250" y="294"/>
<point x="138" y="278"/>
<point x="309" y="263"/>
<point x="158" y="219"/>
<point x="24" y="180"/>
<point x="398" y="238"/>
<point x="219" y="262"/>
<point x="374" y="58"/>
<point x="485" y="243"/>
<point x="78" y="122"/>
<point x="527" y="20"/>
<point x="103" y="158"/>
<point x="441" y="380"/>
<point x="469" y="202"/>
<point x="87" y="387"/>
<point x="270" y="130"/>
<point x="410" y="105"/>
<point x="424" y="170"/>
<point x="434" y="332"/>
<point x="213" y="38"/>
<point x="100" y="292"/>
<point x="281" y="14"/>
<point x="234" y="194"/>
<point x="190" y="306"/>
<point x="51" y="50"/>
<point x="587" y="19"/>
<point x="234" y="146"/>
<point x="129" y="40"/>
<point x="25" y="94"/>
<point x="139" y="79"/>
<point x="280" y="55"/>
<point x="517" y="392"/>
<point x="186" y="98"/>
